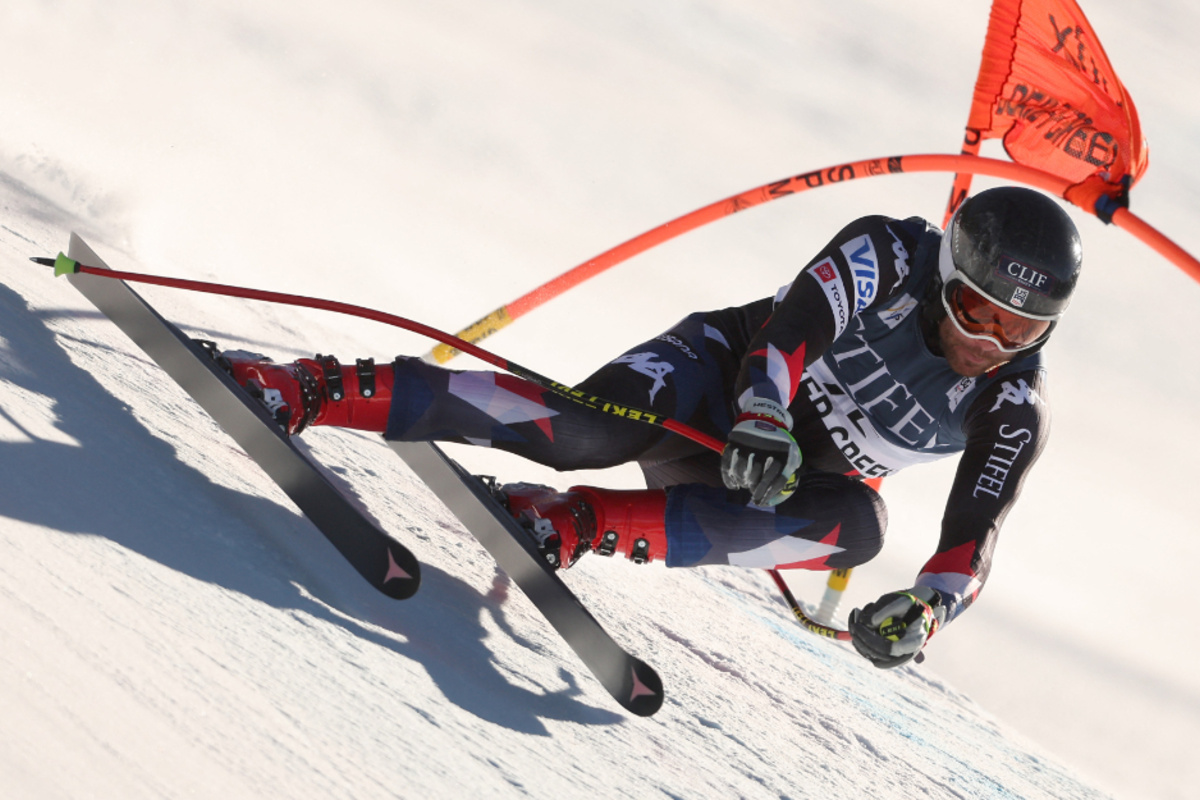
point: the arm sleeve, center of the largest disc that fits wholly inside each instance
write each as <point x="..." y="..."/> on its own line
<point x="1007" y="428"/>
<point x="863" y="266"/>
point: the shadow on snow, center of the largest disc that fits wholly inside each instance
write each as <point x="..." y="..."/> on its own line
<point x="125" y="484"/>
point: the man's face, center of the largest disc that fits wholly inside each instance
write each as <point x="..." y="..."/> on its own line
<point x="966" y="356"/>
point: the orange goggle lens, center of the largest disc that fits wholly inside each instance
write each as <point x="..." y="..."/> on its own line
<point x="978" y="316"/>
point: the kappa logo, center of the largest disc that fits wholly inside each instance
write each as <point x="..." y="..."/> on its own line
<point x="864" y="266"/>
<point x="645" y="364"/>
<point x="901" y="253"/>
<point x="1020" y="394"/>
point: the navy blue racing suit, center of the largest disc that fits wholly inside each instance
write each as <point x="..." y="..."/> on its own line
<point x="850" y="348"/>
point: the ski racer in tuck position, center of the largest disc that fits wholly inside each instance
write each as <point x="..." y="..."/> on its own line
<point x="895" y="345"/>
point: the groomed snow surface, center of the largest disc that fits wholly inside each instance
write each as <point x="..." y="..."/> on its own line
<point x="172" y="627"/>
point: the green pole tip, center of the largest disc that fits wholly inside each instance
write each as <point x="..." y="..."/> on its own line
<point x="65" y="266"/>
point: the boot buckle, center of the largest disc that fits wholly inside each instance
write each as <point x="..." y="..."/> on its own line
<point x="365" y="369"/>
<point x="332" y="372"/>
<point x="641" y="551"/>
<point x="608" y="543"/>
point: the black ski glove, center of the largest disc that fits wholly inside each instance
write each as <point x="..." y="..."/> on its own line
<point x="892" y="630"/>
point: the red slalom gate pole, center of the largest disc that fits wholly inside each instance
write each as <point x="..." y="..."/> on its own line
<point x="1127" y="220"/>
<point x="828" y="176"/>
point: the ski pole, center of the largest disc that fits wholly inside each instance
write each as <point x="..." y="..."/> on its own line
<point x="65" y="266"/>
<point x="808" y="622"/>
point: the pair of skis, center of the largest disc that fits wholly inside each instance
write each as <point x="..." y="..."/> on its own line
<point x="384" y="563"/>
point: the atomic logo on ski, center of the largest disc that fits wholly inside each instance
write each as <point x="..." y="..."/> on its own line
<point x="394" y="570"/>
<point x="640" y="689"/>
<point x="630" y="681"/>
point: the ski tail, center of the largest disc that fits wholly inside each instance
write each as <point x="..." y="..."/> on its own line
<point x="632" y="682"/>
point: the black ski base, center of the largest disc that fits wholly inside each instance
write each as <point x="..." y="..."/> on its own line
<point x="384" y="563"/>
<point x="632" y="682"/>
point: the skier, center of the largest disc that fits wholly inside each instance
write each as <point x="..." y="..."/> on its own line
<point x="895" y="345"/>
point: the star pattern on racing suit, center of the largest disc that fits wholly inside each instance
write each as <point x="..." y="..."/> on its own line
<point x="875" y="397"/>
<point x="846" y="347"/>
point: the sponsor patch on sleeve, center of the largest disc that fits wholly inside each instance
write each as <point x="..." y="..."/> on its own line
<point x="864" y="269"/>
<point x="826" y="274"/>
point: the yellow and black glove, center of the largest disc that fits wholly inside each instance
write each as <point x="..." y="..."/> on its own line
<point x="892" y="630"/>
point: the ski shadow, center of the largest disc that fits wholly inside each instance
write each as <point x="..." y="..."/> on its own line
<point x="74" y="459"/>
<point x="464" y="669"/>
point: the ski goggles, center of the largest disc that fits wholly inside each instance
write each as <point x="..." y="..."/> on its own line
<point x="977" y="317"/>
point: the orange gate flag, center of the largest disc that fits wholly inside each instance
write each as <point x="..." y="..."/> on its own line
<point x="1047" y="90"/>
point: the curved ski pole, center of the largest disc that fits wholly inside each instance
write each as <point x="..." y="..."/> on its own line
<point x="802" y="617"/>
<point x="66" y="266"/>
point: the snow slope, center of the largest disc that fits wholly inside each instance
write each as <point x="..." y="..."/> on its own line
<point x="172" y="627"/>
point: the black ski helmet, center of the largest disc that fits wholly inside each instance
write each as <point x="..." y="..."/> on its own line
<point x="1018" y="248"/>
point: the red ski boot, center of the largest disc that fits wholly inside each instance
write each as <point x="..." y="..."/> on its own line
<point x="316" y="391"/>
<point x="568" y="524"/>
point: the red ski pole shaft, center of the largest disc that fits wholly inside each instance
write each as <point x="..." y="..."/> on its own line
<point x="803" y="618"/>
<point x="64" y="265"/>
